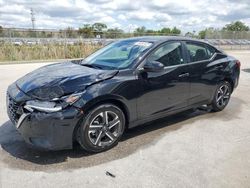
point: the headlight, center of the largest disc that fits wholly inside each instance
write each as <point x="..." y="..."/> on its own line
<point x="55" y="105"/>
<point x="70" y="99"/>
<point x="42" y="106"/>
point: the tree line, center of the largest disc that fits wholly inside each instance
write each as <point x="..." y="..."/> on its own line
<point x="229" y="29"/>
<point x="88" y="31"/>
<point x="101" y="30"/>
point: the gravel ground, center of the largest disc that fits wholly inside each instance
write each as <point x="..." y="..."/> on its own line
<point x="191" y="149"/>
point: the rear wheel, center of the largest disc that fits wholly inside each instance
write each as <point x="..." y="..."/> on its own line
<point x="102" y="128"/>
<point x="222" y="96"/>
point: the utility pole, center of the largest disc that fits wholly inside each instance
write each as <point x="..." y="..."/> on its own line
<point x="33" y="20"/>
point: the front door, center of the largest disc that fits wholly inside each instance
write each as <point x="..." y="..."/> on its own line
<point x="167" y="90"/>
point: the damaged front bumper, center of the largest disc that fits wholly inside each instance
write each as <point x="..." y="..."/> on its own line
<point x="49" y="131"/>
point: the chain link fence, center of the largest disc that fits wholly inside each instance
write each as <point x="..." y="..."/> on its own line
<point x="28" y="44"/>
<point x="70" y="36"/>
<point x="229" y="40"/>
<point x="25" y="44"/>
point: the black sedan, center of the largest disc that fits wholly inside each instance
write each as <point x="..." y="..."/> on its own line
<point x="124" y="84"/>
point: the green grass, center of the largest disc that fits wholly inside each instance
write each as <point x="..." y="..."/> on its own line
<point x="10" y="52"/>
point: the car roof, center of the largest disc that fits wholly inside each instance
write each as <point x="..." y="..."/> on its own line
<point x="159" y="39"/>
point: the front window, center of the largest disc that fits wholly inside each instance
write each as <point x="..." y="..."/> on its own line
<point x="117" y="55"/>
<point x="169" y="54"/>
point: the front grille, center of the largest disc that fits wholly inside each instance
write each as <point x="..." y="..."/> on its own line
<point x="14" y="109"/>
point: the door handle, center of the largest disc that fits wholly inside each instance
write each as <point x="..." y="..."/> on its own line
<point x="183" y="75"/>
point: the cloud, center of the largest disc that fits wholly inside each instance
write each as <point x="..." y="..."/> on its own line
<point x="189" y="15"/>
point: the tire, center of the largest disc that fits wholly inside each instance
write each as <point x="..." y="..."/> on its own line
<point x="221" y="97"/>
<point x="101" y="128"/>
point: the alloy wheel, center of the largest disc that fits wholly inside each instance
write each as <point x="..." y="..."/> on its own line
<point x="223" y="95"/>
<point x="104" y="128"/>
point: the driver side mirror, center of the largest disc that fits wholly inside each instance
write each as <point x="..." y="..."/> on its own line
<point x="153" y="66"/>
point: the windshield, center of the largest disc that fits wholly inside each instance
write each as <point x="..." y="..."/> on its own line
<point x="117" y="55"/>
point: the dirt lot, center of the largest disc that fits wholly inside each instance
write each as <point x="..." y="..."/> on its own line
<point x="192" y="149"/>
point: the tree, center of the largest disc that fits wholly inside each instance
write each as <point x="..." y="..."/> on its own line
<point x="152" y="32"/>
<point x="165" y="30"/>
<point x="176" y="31"/>
<point x="31" y="33"/>
<point x="140" y="31"/>
<point x="61" y="33"/>
<point x="202" y="34"/>
<point x="114" y="33"/>
<point x="189" y="34"/>
<point x="99" y="27"/>
<point x="49" y="35"/>
<point x="1" y="30"/>
<point x="87" y="31"/>
<point x="236" y="26"/>
<point x="70" y="32"/>
<point x="208" y="33"/>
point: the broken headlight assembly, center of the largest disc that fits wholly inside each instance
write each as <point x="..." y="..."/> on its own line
<point x="57" y="104"/>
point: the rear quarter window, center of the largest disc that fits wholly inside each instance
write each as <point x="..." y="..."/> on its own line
<point x="199" y="51"/>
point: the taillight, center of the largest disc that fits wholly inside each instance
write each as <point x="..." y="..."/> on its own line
<point x="238" y="64"/>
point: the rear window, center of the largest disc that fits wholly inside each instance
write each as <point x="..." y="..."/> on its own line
<point x="199" y="52"/>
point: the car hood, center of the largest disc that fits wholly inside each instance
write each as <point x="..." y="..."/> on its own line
<point x="56" y="80"/>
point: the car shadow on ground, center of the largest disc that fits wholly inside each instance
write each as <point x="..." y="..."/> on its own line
<point x="17" y="154"/>
<point x="12" y="142"/>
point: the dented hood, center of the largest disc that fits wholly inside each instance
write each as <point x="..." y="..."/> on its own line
<point x="61" y="79"/>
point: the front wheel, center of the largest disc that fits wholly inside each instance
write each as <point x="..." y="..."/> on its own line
<point x="222" y="96"/>
<point x="101" y="128"/>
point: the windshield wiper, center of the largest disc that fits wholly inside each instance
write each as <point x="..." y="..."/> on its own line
<point x="91" y="66"/>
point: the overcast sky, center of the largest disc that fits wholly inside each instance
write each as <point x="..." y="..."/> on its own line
<point x="188" y="15"/>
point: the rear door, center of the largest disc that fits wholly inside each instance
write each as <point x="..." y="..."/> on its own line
<point x="202" y="73"/>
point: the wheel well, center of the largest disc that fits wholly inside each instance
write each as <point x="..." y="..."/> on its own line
<point x="231" y="83"/>
<point x="118" y="103"/>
